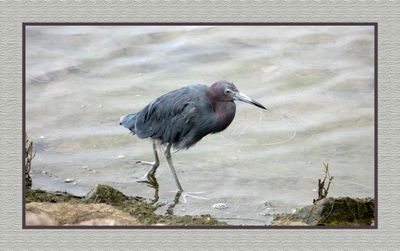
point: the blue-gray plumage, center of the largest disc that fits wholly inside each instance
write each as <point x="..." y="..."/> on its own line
<point x="182" y="117"/>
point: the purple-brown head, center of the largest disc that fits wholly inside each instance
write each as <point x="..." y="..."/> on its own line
<point x="227" y="91"/>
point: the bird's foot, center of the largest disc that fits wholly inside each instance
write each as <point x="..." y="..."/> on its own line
<point x="194" y="195"/>
<point x="149" y="179"/>
<point x="148" y="163"/>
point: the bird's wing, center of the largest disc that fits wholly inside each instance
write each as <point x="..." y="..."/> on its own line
<point x="171" y="116"/>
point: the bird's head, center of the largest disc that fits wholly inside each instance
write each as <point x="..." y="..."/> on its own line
<point x="227" y="91"/>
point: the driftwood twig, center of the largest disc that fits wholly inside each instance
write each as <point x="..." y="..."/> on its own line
<point x="322" y="191"/>
<point x="29" y="155"/>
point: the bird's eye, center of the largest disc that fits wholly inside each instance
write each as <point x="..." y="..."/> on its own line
<point x="227" y="91"/>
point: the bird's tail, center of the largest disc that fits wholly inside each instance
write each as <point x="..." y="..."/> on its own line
<point x="129" y="121"/>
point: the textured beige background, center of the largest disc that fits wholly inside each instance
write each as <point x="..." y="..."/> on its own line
<point x="13" y="13"/>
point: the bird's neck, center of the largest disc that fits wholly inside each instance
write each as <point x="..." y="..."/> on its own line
<point x="224" y="114"/>
<point x="224" y="111"/>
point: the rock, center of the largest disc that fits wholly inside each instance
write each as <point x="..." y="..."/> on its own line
<point x="220" y="206"/>
<point x="341" y="211"/>
<point x="39" y="219"/>
<point x="105" y="194"/>
<point x="67" y="209"/>
<point x="36" y="195"/>
<point x="38" y="213"/>
<point x="99" y="222"/>
<point x="68" y="180"/>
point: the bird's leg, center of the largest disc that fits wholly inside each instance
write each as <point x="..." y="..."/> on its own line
<point x="171" y="166"/>
<point x="180" y="190"/>
<point x="154" y="165"/>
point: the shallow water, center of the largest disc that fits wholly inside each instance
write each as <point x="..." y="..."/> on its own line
<point x="316" y="81"/>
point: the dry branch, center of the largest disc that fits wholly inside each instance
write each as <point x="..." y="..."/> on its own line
<point x="29" y="155"/>
<point x="322" y="191"/>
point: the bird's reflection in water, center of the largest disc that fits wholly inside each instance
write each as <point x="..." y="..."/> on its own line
<point x="152" y="182"/>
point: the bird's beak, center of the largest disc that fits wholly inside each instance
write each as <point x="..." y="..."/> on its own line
<point x="244" y="98"/>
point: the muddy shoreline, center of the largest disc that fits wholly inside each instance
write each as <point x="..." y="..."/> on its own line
<point x="104" y="205"/>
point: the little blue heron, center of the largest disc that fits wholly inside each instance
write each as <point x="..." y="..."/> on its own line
<point x="182" y="117"/>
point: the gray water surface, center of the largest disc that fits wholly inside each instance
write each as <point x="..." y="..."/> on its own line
<point x="318" y="83"/>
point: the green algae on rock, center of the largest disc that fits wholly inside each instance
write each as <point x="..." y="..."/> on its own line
<point x="105" y="194"/>
<point x="343" y="211"/>
<point x="37" y="195"/>
<point x="137" y="207"/>
<point x="143" y="211"/>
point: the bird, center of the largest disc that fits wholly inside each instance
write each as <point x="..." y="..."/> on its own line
<point x="182" y="117"/>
